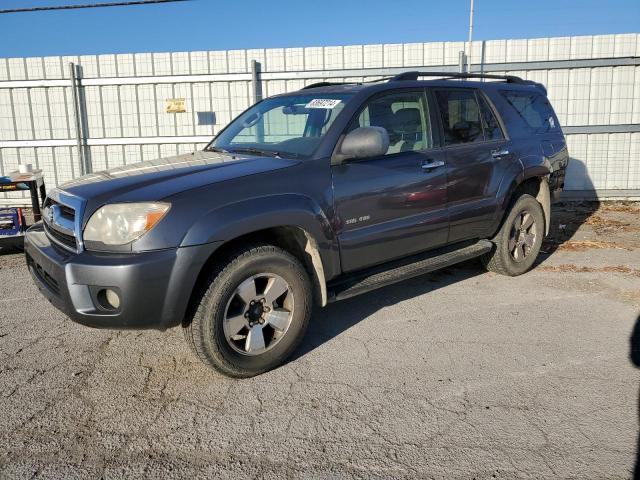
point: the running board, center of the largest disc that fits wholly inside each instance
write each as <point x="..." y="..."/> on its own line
<point x="396" y="271"/>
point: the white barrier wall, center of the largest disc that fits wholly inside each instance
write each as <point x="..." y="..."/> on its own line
<point x="593" y="83"/>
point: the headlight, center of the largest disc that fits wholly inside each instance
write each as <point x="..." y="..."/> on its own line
<point x="122" y="223"/>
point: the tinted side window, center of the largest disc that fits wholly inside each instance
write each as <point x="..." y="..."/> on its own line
<point x="534" y="109"/>
<point x="405" y="117"/>
<point x="460" y="116"/>
<point x="492" y="130"/>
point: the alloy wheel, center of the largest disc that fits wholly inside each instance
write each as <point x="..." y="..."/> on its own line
<point x="523" y="235"/>
<point x="259" y="314"/>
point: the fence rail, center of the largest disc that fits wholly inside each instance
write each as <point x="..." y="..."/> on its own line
<point x="109" y="110"/>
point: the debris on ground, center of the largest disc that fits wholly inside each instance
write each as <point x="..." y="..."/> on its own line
<point x="621" y="207"/>
<point x="602" y="225"/>
<point x="571" y="268"/>
<point x="582" y="245"/>
<point x="607" y="222"/>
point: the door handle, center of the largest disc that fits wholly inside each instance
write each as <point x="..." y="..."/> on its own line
<point x="428" y="165"/>
<point x="503" y="152"/>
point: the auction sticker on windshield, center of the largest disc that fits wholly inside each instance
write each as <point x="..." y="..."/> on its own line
<point x="322" y="103"/>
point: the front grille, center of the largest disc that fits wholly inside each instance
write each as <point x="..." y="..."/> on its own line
<point x="64" y="220"/>
<point x="42" y="275"/>
<point x="66" y="211"/>
<point x="68" y="241"/>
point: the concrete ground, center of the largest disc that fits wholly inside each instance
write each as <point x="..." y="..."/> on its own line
<point x="458" y="374"/>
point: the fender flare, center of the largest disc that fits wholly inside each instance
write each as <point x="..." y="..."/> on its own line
<point x="234" y="220"/>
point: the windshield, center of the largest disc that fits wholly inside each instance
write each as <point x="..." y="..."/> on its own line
<point x="289" y="126"/>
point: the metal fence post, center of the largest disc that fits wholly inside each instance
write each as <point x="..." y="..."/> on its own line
<point x="256" y="83"/>
<point x="78" y="113"/>
<point x="461" y="61"/>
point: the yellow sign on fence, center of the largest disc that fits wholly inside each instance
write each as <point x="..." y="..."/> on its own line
<point x="175" y="105"/>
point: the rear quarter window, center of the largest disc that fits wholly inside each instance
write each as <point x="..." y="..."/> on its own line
<point x="534" y="109"/>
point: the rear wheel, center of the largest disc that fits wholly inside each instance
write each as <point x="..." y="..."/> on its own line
<point x="253" y="313"/>
<point x="518" y="242"/>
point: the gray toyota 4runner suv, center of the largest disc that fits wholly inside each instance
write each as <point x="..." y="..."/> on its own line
<point x="304" y="199"/>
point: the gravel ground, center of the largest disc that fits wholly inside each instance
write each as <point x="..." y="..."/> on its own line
<point x="459" y="374"/>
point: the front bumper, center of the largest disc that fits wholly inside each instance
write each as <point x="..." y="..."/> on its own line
<point x="154" y="287"/>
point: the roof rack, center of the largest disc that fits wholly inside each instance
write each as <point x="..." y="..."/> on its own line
<point x="415" y="75"/>
<point x="328" y="84"/>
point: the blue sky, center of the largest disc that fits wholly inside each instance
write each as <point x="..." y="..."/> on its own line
<point x="222" y="25"/>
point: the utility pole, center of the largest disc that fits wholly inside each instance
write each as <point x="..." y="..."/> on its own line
<point x="470" y="38"/>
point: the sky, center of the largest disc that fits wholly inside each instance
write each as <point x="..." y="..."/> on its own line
<point x="238" y="24"/>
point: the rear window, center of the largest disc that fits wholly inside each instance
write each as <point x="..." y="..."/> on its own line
<point x="534" y="109"/>
<point x="466" y="117"/>
<point x="460" y="115"/>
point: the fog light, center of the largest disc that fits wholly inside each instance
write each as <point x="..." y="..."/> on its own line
<point x="113" y="299"/>
<point x="109" y="299"/>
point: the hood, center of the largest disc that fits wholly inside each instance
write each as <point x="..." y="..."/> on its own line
<point x="161" y="178"/>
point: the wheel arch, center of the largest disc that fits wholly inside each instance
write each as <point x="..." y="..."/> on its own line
<point x="291" y="238"/>
<point x="535" y="185"/>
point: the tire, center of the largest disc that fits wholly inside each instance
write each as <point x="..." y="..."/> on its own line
<point x="243" y="288"/>
<point x="515" y="249"/>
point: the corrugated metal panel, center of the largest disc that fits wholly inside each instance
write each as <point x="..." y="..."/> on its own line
<point x="579" y="89"/>
<point x="275" y="60"/>
<point x="4" y="69"/>
<point x="633" y="165"/>
<point x="622" y="95"/>
<point x="313" y="59"/>
<point x="333" y="59"/>
<point x="559" y="48"/>
<point x="597" y="95"/>
<point x="353" y="56"/>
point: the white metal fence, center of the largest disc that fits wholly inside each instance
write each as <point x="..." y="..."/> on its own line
<point x="113" y="111"/>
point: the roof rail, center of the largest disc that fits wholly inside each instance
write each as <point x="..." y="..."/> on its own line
<point x="328" y="84"/>
<point x="415" y="75"/>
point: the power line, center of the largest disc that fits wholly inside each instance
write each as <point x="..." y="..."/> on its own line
<point x="88" y="5"/>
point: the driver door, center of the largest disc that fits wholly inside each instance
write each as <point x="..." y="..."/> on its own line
<point x="392" y="205"/>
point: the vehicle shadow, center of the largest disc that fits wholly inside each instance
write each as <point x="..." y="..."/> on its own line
<point x="634" y="356"/>
<point x="12" y="248"/>
<point x="569" y="214"/>
<point x="336" y="318"/>
<point x="567" y="217"/>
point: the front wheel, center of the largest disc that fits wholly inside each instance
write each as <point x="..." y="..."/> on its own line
<point x="253" y="313"/>
<point x="518" y="242"/>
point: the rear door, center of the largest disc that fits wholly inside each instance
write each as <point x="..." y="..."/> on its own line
<point x="476" y="154"/>
<point x="393" y="205"/>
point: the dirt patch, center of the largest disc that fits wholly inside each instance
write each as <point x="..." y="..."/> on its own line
<point x="571" y="268"/>
<point x="11" y="258"/>
<point x="620" y="207"/>
<point x="587" y="225"/>
<point x="605" y="225"/>
<point x="582" y="245"/>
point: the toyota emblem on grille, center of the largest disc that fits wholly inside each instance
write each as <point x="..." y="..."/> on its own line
<point x="49" y="214"/>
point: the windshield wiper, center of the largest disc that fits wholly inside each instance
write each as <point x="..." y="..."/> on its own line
<point x="216" y="149"/>
<point x="256" y="151"/>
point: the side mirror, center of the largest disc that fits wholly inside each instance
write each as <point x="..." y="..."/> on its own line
<point x="363" y="142"/>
